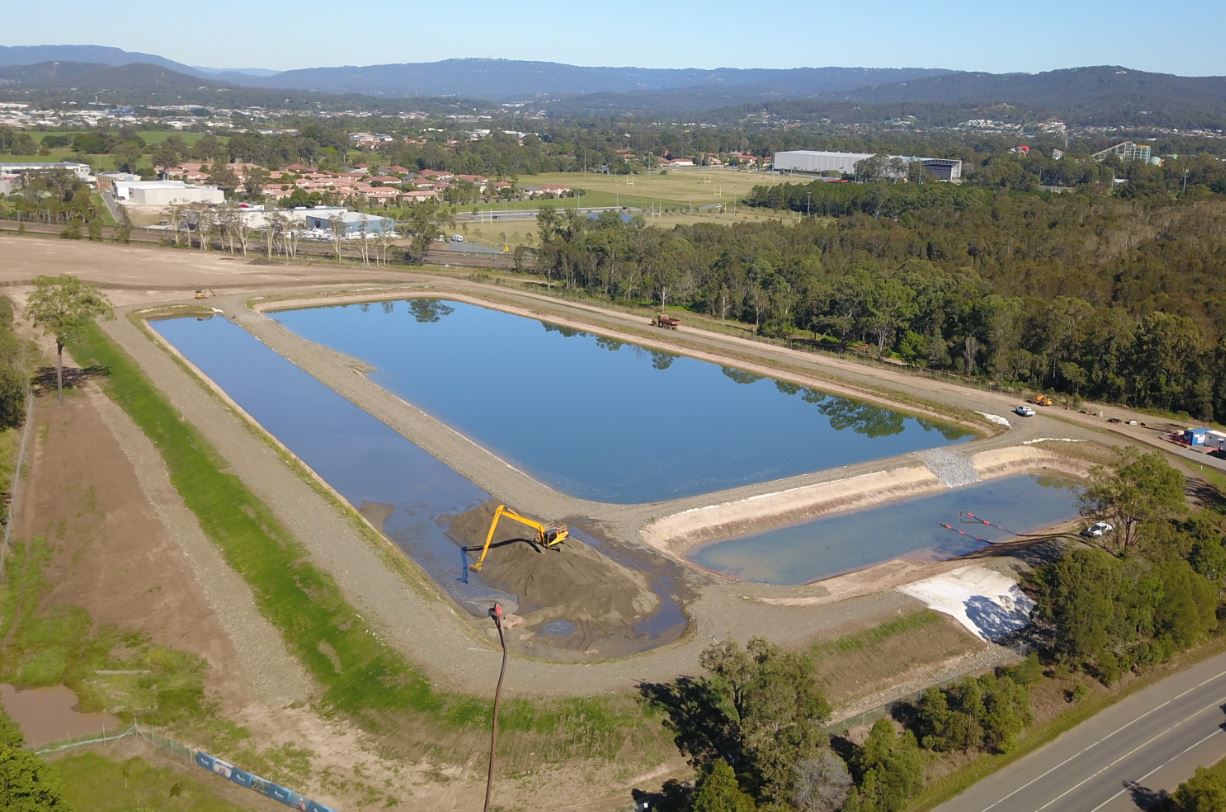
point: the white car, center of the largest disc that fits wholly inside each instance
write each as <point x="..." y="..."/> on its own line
<point x="1024" y="411"/>
<point x="1097" y="530"/>
<point x="457" y="238"/>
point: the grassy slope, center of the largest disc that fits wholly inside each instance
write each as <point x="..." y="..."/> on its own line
<point x="9" y="440"/>
<point x="361" y="677"/>
<point x="95" y="782"/>
<point x="858" y="664"/>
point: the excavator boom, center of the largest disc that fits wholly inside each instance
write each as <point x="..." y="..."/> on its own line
<point x="547" y="535"/>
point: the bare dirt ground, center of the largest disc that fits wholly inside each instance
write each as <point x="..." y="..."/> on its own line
<point x="111" y="555"/>
<point x="49" y="714"/>
<point x="589" y="599"/>
<point x="129" y="552"/>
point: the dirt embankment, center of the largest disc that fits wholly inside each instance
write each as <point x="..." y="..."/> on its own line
<point x="679" y="533"/>
<point x="570" y="593"/>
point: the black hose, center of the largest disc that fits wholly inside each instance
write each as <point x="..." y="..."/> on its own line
<point x="496" y="614"/>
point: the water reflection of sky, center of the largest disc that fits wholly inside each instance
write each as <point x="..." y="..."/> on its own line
<point x="365" y="461"/>
<point x="600" y="418"/>
<point x="911" y="528"/>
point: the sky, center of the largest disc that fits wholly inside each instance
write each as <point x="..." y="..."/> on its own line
<point x="1179" y="36"/>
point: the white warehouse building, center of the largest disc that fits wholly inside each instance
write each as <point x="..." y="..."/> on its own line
<point x="165" y="193"/>
<point x="815" y="162"/>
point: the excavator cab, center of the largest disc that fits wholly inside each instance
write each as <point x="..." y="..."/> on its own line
<point x="547" y="535"/>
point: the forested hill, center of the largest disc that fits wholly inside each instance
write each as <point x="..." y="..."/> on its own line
<point x="136" y="78"/>
<point x="1103" y="95"/>
<point x="1114" y="299"/>
<point x="1092" y="95"/>
<point x="516" y="80"/>
<point x="85" y="54"/>
<point x="140" y="84"/>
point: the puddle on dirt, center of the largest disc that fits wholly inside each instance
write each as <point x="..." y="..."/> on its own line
<point x="49" y="714"/>
<point x="910" y="528"/>
<point x="409" y="494"/>
<point x="557" y="628"/>
<point x="604" y="419"/>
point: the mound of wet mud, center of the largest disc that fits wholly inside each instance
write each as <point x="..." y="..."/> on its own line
<point x="569" y="595"/>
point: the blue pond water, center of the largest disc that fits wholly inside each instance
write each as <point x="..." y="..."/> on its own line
<point x="602" y="419"/>
<point x="910" y="528"/>
<point x="364" y="460"/>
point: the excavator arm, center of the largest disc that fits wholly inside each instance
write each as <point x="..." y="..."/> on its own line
<point x="547" y="535"/>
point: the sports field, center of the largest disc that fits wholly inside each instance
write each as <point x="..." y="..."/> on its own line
<point x="103" y="162"/>
<point x="675" y="191"/>
<point x="679" y="197"/>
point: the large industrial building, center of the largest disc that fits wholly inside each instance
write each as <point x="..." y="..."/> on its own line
<point x="815" y="162"/>
<point x="165" y="193"/>
<point x="13" y="174"/>
<point x="81" y="170"/>
<point x="355" y="223"/>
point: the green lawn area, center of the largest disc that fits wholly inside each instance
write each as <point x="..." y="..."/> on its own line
<point x="9" y="440"/>
<point x="101" y="163"/>
<point x="100" y="784"/>
<point x="490" y="232"/>
<point x="680" y="188"/>
<point x="154" y="137"/>
<point x="151" y="137"/>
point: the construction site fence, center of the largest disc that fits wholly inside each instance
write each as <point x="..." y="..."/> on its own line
<point x="205" y="761"/>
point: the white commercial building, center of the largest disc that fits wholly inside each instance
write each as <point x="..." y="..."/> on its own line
<point x="82" y="171"/>
<point x="815" y="162"/>
<point x="165" y="193"/>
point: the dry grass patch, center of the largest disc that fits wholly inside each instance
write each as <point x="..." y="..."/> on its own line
<point x="860" y="664"/>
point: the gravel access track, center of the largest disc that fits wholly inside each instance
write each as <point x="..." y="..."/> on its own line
<point x="268" y="669"/>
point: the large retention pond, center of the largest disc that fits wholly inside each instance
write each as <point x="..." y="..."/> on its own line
<point x="908" y="529"/>
<point x="404" y="491"/>
<point x="602" y="419"/>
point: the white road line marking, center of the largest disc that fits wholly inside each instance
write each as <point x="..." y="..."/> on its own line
<point x="1159" y="767"/>
<point x="1084" y="750"/>
<point x="1140" y="746"/>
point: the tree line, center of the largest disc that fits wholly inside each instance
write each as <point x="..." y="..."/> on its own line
<point x="15" y="363"/>
<point x="753" y="725"/>
<point x="1087" y="295"/>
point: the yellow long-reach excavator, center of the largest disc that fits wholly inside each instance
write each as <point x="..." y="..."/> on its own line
<point x="547" y="535"/>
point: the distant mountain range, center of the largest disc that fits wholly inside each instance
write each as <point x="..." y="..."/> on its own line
<point x="1102" y="95"/>
<point x="513" y="80"/>
<point x="499" y="80"/>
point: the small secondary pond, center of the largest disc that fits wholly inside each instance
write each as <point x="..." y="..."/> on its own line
<point x="403" y="490"/>
<point x="604" y="419"/>
<point x="907" y="529"/>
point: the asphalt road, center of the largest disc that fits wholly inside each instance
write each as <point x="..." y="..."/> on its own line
<point x="1121" y="759"/>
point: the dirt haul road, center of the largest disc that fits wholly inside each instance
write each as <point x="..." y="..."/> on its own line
<point x="461" y="652"/>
